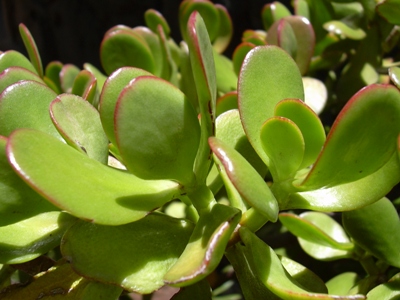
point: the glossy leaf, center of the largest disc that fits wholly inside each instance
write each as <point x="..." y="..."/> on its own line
<point x="52" y="72"/>
<point x="350" y="195"/>
<point x="225" y="30"/>
<point x="110" y="93"/>
<point x="31" y="48"/>
<point x="239" y="54"/>
<point x="283" y="142"/>
<point x="320" y="12"/>
<point x="85" y="85"/>
<point x="204" y="75"/>
<point x="316" y="94"/>
<point x="390" y="10"/>
<point x="146" y="251"/>
<point x="61" y="282"/>
<point x="225" y="75"/>
<point x="344" y="31"/>
<point x="274" y="276"/>
<point x="154" y="18"/>
<point x="309" y="124"/>
<point x="84" y="187"/>
<point x="394" y="74"/>
<point x="17" y="200"/>
<point x="19" y="111"/>
<point x="123" y="47"/>
<point x="364" y="224"/>
<point x="318" y="234"/>
<point x="14" y="74"/>
<point x="32" y="237"/>
<point x="100" y="77"/>
<point x="145" y="106"/>
<point x="368" y="125"/>
<point x="206" y="246"/>
<point x="13" y="58"/>
<point x="243" y="175"/>
<point x="79" y="124"/>
<point x="282" y="34"/>
<point x="342" y="283"/>
<point x="67" y="77"/>
<point x="389" y="290"/>
<point x="273" y="12"/>
<point x="226" y="102"/>
<point x="264" y="69"/>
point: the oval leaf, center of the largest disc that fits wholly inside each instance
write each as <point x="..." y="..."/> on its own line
<point x="85" y="85"/>
<point x="14" y="74"/>
<point x="13" y="58"/>
<point x="157" y="130"/>
<point x="84" y="187"/>
<point x="31" y="48"/>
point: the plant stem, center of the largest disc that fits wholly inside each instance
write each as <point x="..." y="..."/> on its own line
<point x="202" y="198"/>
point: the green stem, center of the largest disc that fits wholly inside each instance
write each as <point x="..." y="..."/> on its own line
<point x="253" y="220"/>
<point x="202" y="198"/>
<point x="369" y="265"/>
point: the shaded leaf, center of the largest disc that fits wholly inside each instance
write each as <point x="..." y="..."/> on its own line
<point x="12" y="58"/>
<point x="344" y="30"/>
<point x="68" y="74"/>
<point x="390" y="10"/>
<point x="389" y="290"/>
<point x="14" y="74"/>
<point x="394" y="74"/>
<point x="85" y="85"/>
<point x="225" y="30"/>
<point x="154" y="18"/>
<point x="342" y="283"/>
<point x="31" y="48"/>
<point x="273" y="12"/>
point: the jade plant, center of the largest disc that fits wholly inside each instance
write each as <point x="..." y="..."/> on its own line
<point x="175" y="159"/>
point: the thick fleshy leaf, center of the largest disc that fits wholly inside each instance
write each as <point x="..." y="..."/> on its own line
<point x="364" y="226"/>
<point x="239" y="54"/>
<point x="226" y="102"/>
<point x="309" y="124"/>
<point x="31" y="48"/>
<point x="320" y="12"/>
<point x="283" y="142"/>
<point x="14" y="74"/>
<point x="154" y="18"/>
<point x="273" y="12"/>
<point x="256" y="37"/>
<point x="389" y="290"/>
<point x="226" y="76"/>
<point x="13" y="58"/>
<point x="79" y="124"/>
<point x="275" y="277"/>
<point x="368" y="126"/>
<point x="17" y="200"/>
<point x="350" y="195"/>
<point x="169" y="70"/>
<point x="110" y="93"/>
<point x="204" y="74"/>
<point x="85" y="85"/>
<point x="67" y="77"/>
<point x="268" y="75"/>
<point x="243" y="176"/>
<point x="100" y="77"/>
<point x="61" y="282"/>
<point x="282" y="34"/>
<point x="394" y="74"/>
<point x="390" y="10"/>
<point x="206" y="246"/>
<point x="157" y="130"/>
<point x="344" y="30"/>
<point x="32" y="237"/>
<point x="225" y="30"/>
<point x="84" y="187"/>
<point x="342" y="283"/>
<point x="52" y="72"/>
<point x="17" y="110"/>
<point x="146" y="251"/>
<point x="318" y="234"/>
<point x="315" y="93"/>
<point x="123" y="47"/>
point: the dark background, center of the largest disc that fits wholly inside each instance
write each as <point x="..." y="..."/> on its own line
<point x="71" y="30"/>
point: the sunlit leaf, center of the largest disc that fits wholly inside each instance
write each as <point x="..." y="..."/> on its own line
<point x="12" y="58"/>
<point x="14" y="74"/>
<point x="31" y="48"/>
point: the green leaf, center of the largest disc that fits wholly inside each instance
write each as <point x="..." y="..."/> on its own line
<point x="309" y="124"/>
<point x="226" y="76"/>
<point x="390" y="10"/>
<point x="61" y="282"/>
<point x="52" y="72"/>
<point x="274" y="276"/>
<point x="368" y="125"/>
<point x="344" y="31"/>
<point x="79" y="124"/>
<point x="17" y="200"/>
<point x="146" y="251"/>
<point x="124" y="47"/>
<point x="239" y="54"/>
<point x="283" y="142"/>
<point x="14" y="74"/>
<point x="243" y="176"/>
<point x="316" y="94"/>
<point x="273" y="12"/>
<point x="110" y="93"/>
<point x="31" y="48"/>
<point x="206" y="246"/>
<point x="13" y="58"/>
<point x="394" y="74"/>
<point x="282" y="34"/>
<point x="268" y="75"/>
<point x="320" y="12"/>
<point x="389" y="290"/>
<point x="85" y="85"/>
<point x="27" y="239"/>
<point x="318" y="234"/>
<point x="154" y="18"/>
<point x="226" y="102"/>
<point x="144" y="108"/>
<point x="225" y="30"/>
<point x="84" y="187"/>
<point x="364" y="226"/>
<point x="204" y="74"/>
<point x="68" y="74"/>
<point x="342" y="283"/>
<point x="17" y="110"/>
